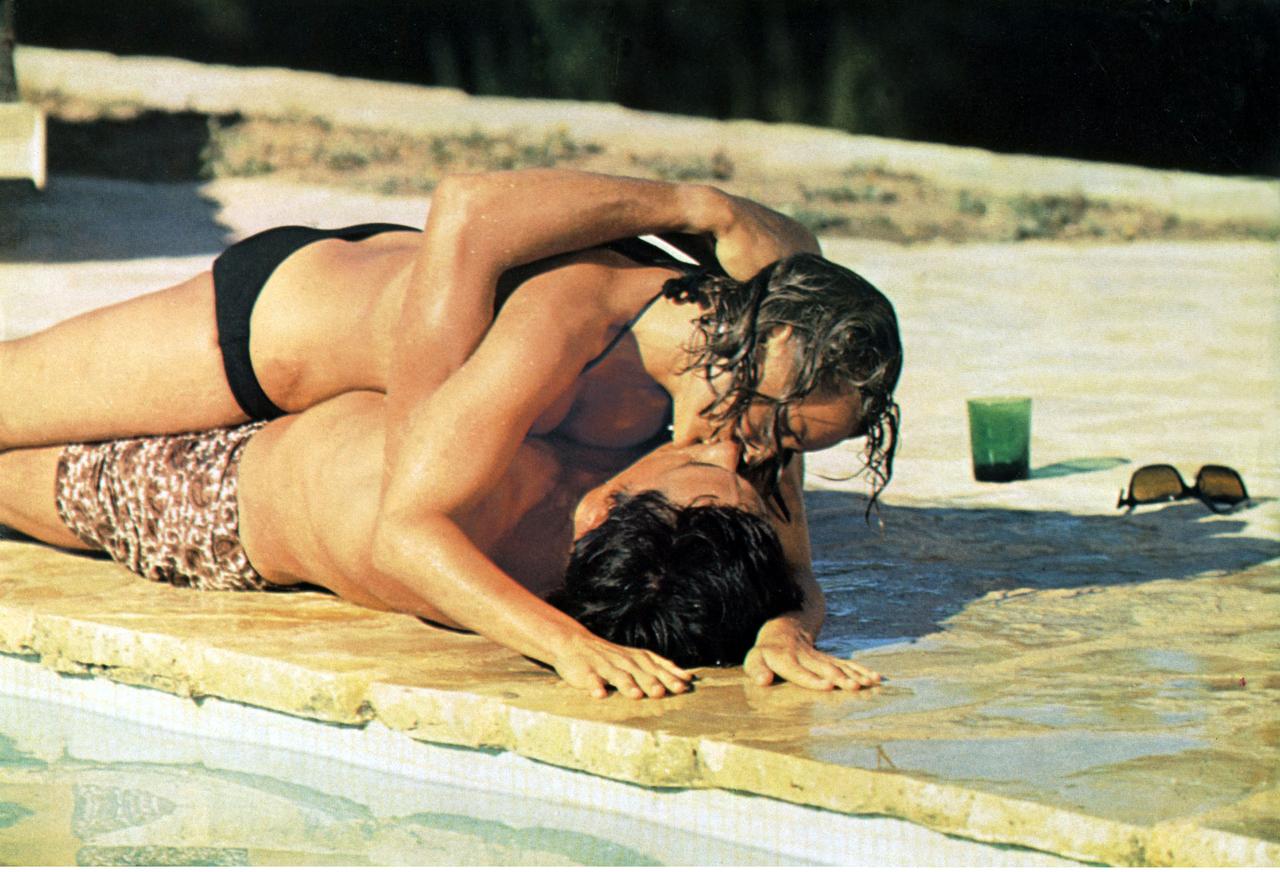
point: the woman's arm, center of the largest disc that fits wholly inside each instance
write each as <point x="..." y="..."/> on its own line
<point x="785" y="645"/>
<point x="520" y="216"/>
<point x="481" y="225"/>
<point x="459" y="446"/>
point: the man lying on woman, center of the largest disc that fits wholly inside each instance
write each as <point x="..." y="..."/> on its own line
<point x="672" y="556"/>
<point x="506" y="316"/>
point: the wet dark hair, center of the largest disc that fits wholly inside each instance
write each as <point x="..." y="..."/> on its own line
<point x="845" y="336"/>
<point x="692" y="583"/>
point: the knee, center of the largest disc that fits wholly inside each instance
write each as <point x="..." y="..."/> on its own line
<point x="6" y="408"/>
<point x="13" y="402"/>
<point x="8" y="401"/>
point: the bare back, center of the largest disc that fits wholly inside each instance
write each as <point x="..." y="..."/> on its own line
<point x="309" y="490"/>
<point x="323" y="324"/>
<point x="352" y="294"/>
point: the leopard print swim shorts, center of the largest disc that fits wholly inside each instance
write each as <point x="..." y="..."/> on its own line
<point x="163" y="506"/>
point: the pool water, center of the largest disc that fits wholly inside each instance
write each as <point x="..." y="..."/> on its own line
<point x="100" y="791"/>
<point x="95" y="773"/>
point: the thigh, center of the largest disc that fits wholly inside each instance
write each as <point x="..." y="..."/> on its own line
<point x="28" y="479"/>
<point x="147" y="365"/>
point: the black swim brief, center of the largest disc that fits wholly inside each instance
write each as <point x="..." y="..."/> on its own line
<point x="239" y="274"/>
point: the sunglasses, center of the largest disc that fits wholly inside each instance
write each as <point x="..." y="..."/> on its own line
<point x="1219" y="487"/>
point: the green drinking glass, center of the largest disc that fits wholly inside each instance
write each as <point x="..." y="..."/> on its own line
<point x="1000" y="437"/>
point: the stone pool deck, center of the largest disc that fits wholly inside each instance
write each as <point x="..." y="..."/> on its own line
<point x="1064" y="677"/>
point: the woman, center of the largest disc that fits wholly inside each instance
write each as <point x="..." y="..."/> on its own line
<point x="591" y="346"/>
<point x="379" y="304"/>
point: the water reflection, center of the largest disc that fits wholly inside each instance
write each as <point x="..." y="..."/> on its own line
<point x="80" y="788"/>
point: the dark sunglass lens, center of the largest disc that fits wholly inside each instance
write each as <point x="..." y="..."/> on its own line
<point x="1152" y="483"/>
<point x="1221" y="484"/>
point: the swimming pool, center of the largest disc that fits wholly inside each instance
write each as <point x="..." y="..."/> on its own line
<point x="98" y="773"/>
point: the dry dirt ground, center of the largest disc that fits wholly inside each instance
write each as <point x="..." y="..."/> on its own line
<point x="124" y="140"/>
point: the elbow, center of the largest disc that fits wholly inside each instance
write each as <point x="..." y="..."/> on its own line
<point x="385" y="545"/>
<point x="395" y="541"/>
<point x="463" y="207"/>
<point x="456" y="195"/>
<point x="468" y="194"/>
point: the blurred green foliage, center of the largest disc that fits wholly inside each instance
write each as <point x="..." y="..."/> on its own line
<point x="1180" y="83"/>
<point x="8" y="82"/>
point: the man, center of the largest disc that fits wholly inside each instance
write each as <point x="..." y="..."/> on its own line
<point x="296" y="500"/>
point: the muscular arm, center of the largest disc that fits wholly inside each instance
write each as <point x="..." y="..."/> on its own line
<point x="463" y="439"/>
<point x="513" y="218"/>
<point x="785" y="645"/>
<point x="481" y="225"/>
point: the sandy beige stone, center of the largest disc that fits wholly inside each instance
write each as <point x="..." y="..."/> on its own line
<point x="22" y="143"/>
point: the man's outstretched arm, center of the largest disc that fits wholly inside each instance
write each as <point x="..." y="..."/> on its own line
<point x="785" y="645"/>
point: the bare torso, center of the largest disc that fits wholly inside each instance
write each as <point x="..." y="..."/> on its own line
<point x="310" y="486"/>
<point x="353" y="294"/>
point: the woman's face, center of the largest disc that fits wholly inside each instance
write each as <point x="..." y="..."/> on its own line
<point x="809" y="424"/>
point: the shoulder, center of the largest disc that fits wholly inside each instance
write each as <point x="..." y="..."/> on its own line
<point x="596" y="286"/>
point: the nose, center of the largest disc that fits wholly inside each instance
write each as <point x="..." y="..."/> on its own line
<point x="724" y="454"/>
<point x="755" y="454"/>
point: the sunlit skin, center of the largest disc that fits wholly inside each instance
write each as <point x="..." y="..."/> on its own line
<point x="308" y="493"/>
<point x="814" y="423"/>
<point x="688" y="475"/>
<point x="785" y="646"/>
<point x="707" y="472"/>
<point x="412" y="315"/>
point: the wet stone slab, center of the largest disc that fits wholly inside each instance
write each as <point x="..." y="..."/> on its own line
<point x="1121" y="745"/>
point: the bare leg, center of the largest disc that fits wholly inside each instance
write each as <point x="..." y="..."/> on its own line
<point x="148" y="365"/>
<point x="27" y="479"/>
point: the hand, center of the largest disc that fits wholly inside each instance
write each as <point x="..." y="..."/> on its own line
<point x="751" y="236"/>
<point x="784" y="650"/>
<point x="591" y="663"/>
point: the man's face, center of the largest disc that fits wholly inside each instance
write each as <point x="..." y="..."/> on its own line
<point x="701" y="473"/>
<point x="813" y="423"/>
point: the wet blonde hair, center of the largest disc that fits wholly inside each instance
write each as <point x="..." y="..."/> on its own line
<point x="845" y="340"/>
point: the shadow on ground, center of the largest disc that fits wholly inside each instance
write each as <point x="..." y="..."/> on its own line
<point x="930" y="563"/>
<point x="120" y="189"/>
<point x="1075" y="467"/>
<point x="80" y="219"/>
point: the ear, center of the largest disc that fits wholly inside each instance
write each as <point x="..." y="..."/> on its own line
<point x="781" y="333"/>
<point x="777" y="344"/>
<point x="779" y="355"/>
<point x="592" y="509"/>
